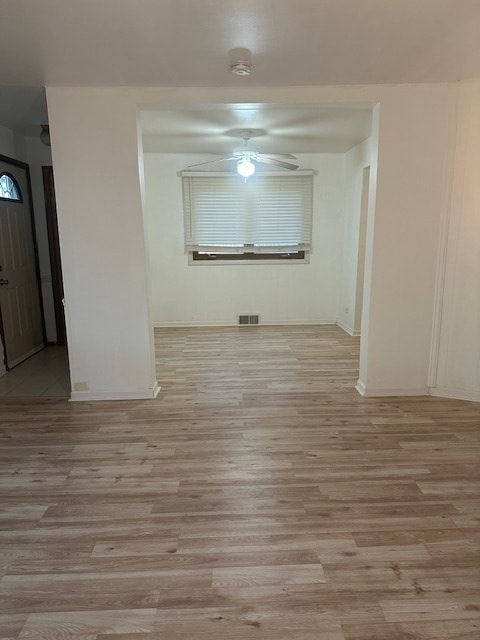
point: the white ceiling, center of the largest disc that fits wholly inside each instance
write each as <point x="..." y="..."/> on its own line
<point x="190" y="43"/>
<point x="186" y="42"/>
<point x="217" y="130"/>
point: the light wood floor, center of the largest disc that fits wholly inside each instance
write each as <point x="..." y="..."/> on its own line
<point x="258" y="497"/>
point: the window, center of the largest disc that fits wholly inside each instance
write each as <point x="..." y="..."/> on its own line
<point x="268" y="217"/>
<point x="9" y="189"/>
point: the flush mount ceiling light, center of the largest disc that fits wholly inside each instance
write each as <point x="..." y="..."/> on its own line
<point x="240" y="61"/>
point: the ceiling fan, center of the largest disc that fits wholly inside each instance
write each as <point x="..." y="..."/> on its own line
<point x="247" y="158"/>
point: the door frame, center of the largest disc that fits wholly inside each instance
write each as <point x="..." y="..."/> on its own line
<point x="23" y="165"/>
<point x="54" y="251"/>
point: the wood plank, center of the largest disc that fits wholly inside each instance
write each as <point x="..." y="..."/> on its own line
<point x="447" y="629"/>
<point x="86" y="624"/>
<point x="272" y="575"/>
<point x="441" y="608"/>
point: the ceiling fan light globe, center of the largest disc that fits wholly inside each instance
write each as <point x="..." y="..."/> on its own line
<point x="246" y="168"/>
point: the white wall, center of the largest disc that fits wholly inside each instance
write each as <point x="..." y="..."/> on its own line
<point x="210" y="293"/>
<point x="94" y="145"/>
<point x="355" y="161"/>
<point x="12" y="144"/>
<point x="415" y="143"/>
<point x="458" y="347"/>
<point x="99" y="207"/>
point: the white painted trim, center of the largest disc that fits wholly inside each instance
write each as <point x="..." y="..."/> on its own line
<point x="381" y="393"/>
<point x="347" y="329"/>
<point x="224" y="263"/>
<point x="360" y="387"/>
<point x="295" y="323"/>
<point x="193" y="323"/>
<point x="440" y="274"/>
<point x="25" y="356"/>
<point x="89" y="396"/>
<point x="455" y="394"/>
<point x="214" y="323"/>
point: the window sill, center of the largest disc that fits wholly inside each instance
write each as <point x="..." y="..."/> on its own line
<point x="273" y="261"/>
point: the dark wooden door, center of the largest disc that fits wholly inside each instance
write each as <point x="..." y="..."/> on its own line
<point x="55" y="259"/>
<point x="20" y="300"/>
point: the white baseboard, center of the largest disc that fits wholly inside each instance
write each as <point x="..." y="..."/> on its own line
<point x="455" y="394"/>
<point x="297" y="323"/>
<point x="93" y="396"/>
<point x="369" y="392"/>
<point x="440" y="392"/>
<point x="347" y="329"/>
<point x="266" y="323"/>
<point x="190" y="323"/>
<point x="360" y="387"/>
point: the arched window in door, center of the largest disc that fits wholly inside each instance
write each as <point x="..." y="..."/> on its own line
<point x="9" y="189"/>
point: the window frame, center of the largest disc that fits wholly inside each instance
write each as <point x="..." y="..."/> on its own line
<point x="248" y="256"/>
<point x="294" y="253"/>
<point x="19" y="200"/>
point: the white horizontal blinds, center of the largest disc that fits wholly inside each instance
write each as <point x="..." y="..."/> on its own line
<point x="215" y="217"/>
<point x="281" y="212"/>
<point x="264" y="214"/>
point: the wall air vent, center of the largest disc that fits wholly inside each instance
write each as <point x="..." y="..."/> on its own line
<point x="248" y="318"/>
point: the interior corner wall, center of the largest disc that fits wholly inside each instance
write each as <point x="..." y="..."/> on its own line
<point x="100" y="217"/>
<point x="356" y="159"/>
<point x="458" y="368"/>
<point x="214" y="294"/>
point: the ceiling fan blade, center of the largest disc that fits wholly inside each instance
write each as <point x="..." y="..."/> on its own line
<point x="277" y="163"/>
<point x="277" y="155"/>
<point x="199" y="164"/>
